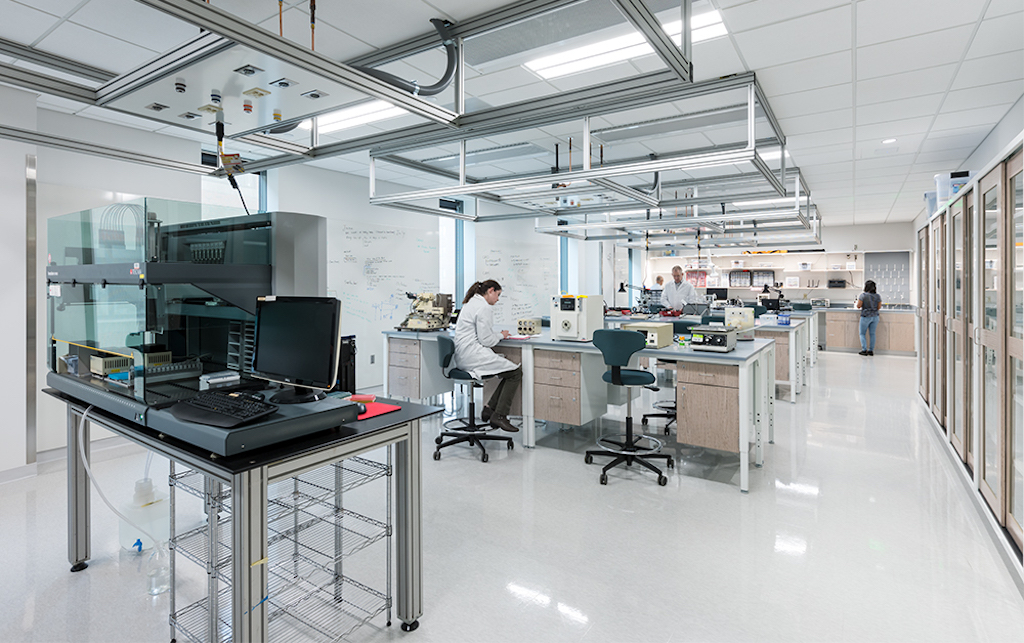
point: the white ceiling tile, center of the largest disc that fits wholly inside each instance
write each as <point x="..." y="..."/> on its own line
<point x="865" y="218"/>
<point x="969" y="117"/>
<point x="837" y="220"/>
<point x="59" y="8"/>
<point x="57" y="74"/>
<point x="500" y="81"/>
<point x="620" y="151"/>
<point x="892" y="182"/>
<point x="727" y="135"/>
<point x="714" y="58"/>
<point x="806" y="37"/>
<point x="23" y="24"/>
<point x="831" y="69"/>
<point x="628" y="117"/>
<point x="93" y="48"/>
<point x="955" y="157"/>
<point x="954" y="138"/>
<point x="811" y="102"/>
<point x="330" y="41"/>
<point x="647" y="64"/>
<point x="904" y="85"/>
<point x="669" y="144"/>
<point x="1001" y="8"/>
<point x="917" y="52"/>
<point x="757" y="14"/>
<point x="102" y="114"/>
<point x="869" y="172"/>
<point x="825" y="155"/>
<point x="882" y="190"/>
<point x="460" y="10"/>
<point x="820" y="122"/>
<point x="990" y="70"/>
<point x="884" y="20"/>
<point x="192" y="135"/>
<point x="874" y="147"/>
<point x="998" y="94"/>
<point x="828" y="169"/>
<point x="133" y="18"/>
<point x="380" y="23"/>
<point x="524" y="93"/>
<point x="896" y="161"/>
<point x="799" y="142"/>
<point x="898" y="109"/>
<point x="254" y="12"/>
<point x="59" y="104"/>
<point x="587" y="78"/>
<point x="897" y="129"/>
<point x="997" y="36"/>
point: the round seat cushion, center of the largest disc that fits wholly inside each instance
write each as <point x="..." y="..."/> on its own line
<point x="631" y="377"/>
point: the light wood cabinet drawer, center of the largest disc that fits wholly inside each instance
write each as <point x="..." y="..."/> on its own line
<point x="709" y="416"/>
<point x="780" y="336"/>
<point x="556" y="377"/>
<point x="556" y="404"/>
<point x="403" y="382"/>
<point x="404" y="346"/>
<point x="712" y="374"/>
<point x="901" y="338"/>
<point x="404" y="360"/>
<point x="564" y="360"/>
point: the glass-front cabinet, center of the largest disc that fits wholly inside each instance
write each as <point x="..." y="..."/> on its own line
<point x="1015" y="351"/>
<point x="146" y="296"/>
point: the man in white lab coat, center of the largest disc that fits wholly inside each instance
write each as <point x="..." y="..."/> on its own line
<point x="678" y="292"/>
<point x="474" y="337"/>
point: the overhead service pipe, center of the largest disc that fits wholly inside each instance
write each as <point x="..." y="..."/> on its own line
<point x="442" y="27"/>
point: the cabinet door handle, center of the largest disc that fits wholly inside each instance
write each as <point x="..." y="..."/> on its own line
<point x="556" y="377"/>
<point x="552" y="397"/>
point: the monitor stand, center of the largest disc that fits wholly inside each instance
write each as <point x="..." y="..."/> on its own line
<point x="298" y="395"/>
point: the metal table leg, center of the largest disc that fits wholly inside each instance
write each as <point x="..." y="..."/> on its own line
<point x="744" y="404"/>
<point x="529" y="425"/>
<point x="408" y="523"/>
<point x="78" y="495"/>
<point x="249" y="556"/>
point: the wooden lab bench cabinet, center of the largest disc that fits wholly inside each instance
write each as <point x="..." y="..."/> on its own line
<point x="895" y="332"/>
<point x="707" y="396"/>
<point x="781" y="338"/>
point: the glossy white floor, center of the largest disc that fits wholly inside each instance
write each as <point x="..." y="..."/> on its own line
<point x="855" y="530"/>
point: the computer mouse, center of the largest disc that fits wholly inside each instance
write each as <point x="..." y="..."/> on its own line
<point x="362" y="408"/>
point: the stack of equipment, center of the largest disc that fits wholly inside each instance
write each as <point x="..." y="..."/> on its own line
<point x="658" y="334"/>
<point x="718" y="339"/>
<point x="428" y="311"/>
<point x="576" y="317"/>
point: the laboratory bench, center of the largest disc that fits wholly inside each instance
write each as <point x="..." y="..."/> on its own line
<point x="729" y="397"/>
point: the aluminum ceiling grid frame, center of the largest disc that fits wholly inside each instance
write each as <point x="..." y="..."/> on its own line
<point x="746" y="156"/>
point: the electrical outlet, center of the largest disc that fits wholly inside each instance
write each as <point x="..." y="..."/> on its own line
<point x="373" y="358"/>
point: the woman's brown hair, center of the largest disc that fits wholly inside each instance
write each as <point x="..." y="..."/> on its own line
<point x="481" y="288"/>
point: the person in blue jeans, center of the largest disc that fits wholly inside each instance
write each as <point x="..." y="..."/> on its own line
<point x="869" y="302"/>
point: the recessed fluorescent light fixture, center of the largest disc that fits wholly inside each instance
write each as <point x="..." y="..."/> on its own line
<point x="371" y="112"/>
<point x="886" y="141"/>
<point x="704" y="27"/>
<point x="779" y="201"/>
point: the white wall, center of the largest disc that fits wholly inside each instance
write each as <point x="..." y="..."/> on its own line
<point x="343" y="200"/>
<point x="882" y="236"/>
<point x="523" y="262"/>
<point x="1000" y="136"/>
<point x="17" y="109"/>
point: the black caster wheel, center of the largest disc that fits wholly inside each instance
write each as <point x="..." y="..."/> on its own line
<point x="666" y="430"/>
<point x="604" y="478"/>
<point x="437" y="455"/>
<point x="483" y="458"/>
<point x="389" y="623"/>
<point x="409" y="627"/>
<point x="511" y="446"/>
<point x="671" y="464"/>
<point x="77" y="567"/>
<point x="438" y="440"/>
<point x="588" y="459"/>
<point x="643" y="421"/>
<point x="662" y="480"/>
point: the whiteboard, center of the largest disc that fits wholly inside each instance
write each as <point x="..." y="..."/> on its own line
<point x="370" y="267"/>
<point x="527" y="272"/>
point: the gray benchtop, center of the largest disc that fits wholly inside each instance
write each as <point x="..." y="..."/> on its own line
<point x="793" y="325"/>
<point x="745" y="350"/>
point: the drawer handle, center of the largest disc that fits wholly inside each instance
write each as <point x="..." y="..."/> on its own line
<point x="402" y="377"/>
<point x="556" y="378"/>
<point x="552" y="397"/>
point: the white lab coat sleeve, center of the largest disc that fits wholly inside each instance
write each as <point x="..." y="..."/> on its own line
<point x="690" y="295"/>
<point x="485" y="327"/>
<point x="664" y="297"/>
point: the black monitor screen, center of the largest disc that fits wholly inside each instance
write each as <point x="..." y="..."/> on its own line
<point x="721" y="294"/>
<point x="297" y="340"/>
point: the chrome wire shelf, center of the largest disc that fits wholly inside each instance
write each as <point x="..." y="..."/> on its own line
<point x="313" y="485"/>
<point x="317" y="536"/>
<point x="192" y="620"/>
<point x="194" y="545"/>
<point x="318" y="605"/>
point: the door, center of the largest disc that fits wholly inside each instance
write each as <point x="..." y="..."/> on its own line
<point x="937" y="321"/>
<point x="970" y="346"/>
<point x="990" y="334"/>
<point x="1014" y="406"/>
<point x="956" y="409"/>
<point x="923" y="386"/>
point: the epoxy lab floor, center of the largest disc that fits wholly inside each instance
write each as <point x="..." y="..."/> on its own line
<point x="854" y="530"/>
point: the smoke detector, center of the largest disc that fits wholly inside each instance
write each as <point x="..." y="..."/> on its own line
<point x="248" y="70"/>
<point x="284" y="83"/>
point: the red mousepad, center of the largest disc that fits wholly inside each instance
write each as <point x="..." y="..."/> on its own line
<point x="373" y="409"/>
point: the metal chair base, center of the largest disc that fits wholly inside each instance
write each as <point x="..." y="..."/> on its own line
<point x="468" y="431"/>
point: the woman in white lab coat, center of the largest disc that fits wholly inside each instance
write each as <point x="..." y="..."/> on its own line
<point x="474" y="337"/>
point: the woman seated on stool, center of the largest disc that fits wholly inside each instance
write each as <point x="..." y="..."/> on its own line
<point x="474" y="337"/>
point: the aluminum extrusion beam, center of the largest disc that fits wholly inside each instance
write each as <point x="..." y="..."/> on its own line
<point x="422" y="209"/>
<point x="664" y="205"/>
<point x="647" y="24"/>
<point x="46" y="84"/>
<point x="502" y="17"/>
<point x="188" y="53"/>
<point x="272" y="143"/>
<point x="426" y="168"/>
<point x="667" y="223"/>
<point x="71" y="145"/>
<point x="258" y="39"/>
<point x="55" y="62"/>
<point x="628" y="93"/>
<point x="627" y="192"/>
<point x="769" y="114"/>
<point x="700" y="160"/>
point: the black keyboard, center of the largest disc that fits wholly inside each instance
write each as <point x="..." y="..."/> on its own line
<point x="225" y="410"/>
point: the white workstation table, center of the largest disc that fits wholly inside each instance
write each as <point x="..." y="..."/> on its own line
<point x="811" y="316"/>
<point x="792" y="367"/>
<point x="755" y="362"/>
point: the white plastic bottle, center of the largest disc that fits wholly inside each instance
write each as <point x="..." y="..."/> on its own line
<point x="149" y="510"/>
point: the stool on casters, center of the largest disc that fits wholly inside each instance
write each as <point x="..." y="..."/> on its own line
<point x="467" y="430"/>
<point x="617" y="346"/>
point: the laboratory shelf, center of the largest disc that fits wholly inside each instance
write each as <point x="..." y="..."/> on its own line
<point x="192" y="620"/>
<point x="323" y="540"/>
<point x="194" y="545"/>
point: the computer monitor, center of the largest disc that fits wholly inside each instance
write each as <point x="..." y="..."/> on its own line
<point x="770" y="304"/>
<point x="721" y="294"/>
<point x="297" y="343"/>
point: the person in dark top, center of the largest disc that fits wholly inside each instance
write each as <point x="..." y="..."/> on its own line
<point x="869" y="302"/>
